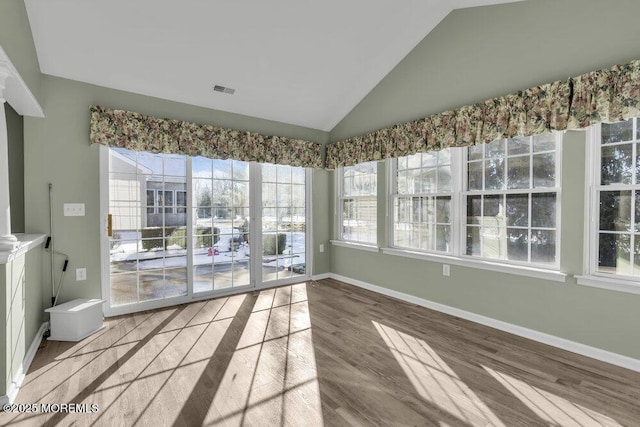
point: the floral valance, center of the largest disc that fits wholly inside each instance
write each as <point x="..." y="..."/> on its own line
<point x="600" y="96"/>
<point x="134" y="131"/>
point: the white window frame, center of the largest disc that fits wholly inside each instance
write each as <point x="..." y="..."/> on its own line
<point x="459" y="195"/>
<point x="462" y="225"/>
<point x="456" y="187"/>
<point x="592" y="277"/>
<point x="340" y="240"/>
<point x="255" y="183"/>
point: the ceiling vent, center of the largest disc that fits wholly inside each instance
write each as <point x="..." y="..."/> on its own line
<point x="218" y="88"/>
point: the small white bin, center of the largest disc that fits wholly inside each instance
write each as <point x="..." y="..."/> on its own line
<point x="75" y="320"/>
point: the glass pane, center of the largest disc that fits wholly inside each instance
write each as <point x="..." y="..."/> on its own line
<point x="543" y="246"/>
<point x="444" y="157"/>
<point x="443" y="238"/>
<point x="494" y="173"/>
<point x="240" y="170"/>
<point x="240" y="194"/>
<point x="544" y="142"/>
<point x="543" y="210"/>
<point x="475" y="175"/>
<point x="517" y="210"/>
<point x="283" y="195"/>
<point x="544" y="170"/>
<point x="298" y="175"/>
<point x="284" y="174"/>
<point x="151" y="284"/>
<point x="269" y="194"/>
<point x="202" y="275"/>
<point x="638" y="159"/>
<point x="151" y="163"/>
<point x="636" y="256"/>
<point x="298" y="195"/>
<point x="202" y="192"/>
<point x="415" y="161"/>
<point x="614" y="253"/>
<point x="175" y="282"/>
<point x="124" y="255"/>
<point x="617" y="164"/>
<point x="617" y="132"/>
<point x="517" y="244"/>
<point x="473" y="241"/>
<point x="403" y="210"/>
<point x="637" y="219"/>
<point x="519" y="145"/>
<point x="492" y="206"/>
<point x="426" y="180"/>
<point x="475" y="152"/>
<point x="240" y="272"/>
<point x="474" y="209"/>
<point x="402" y="182"/>
<point x="124" y="289"/>
<point x="269" y="219"/>
<point x="495" y="149"/>
<point x="402" y="163"/>
<point x="201" y="167"/>
<point x="222" y="168"/>
<point x="443" y="209"/>
<point x="518" y="172"/>
<point x="125" y="218"/>
<point x="430" y="159"/>
<point x="268" y="172"/>
<point x="444" y="179"/>
<point x="615" y="210"/>
<point x="175" y="165"/>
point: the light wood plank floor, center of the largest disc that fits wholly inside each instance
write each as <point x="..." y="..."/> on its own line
<point x="319" y="353"/>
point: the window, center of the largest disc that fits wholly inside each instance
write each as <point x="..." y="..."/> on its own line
<point x="358" y="203"/>
<point x="422" y="202"/>
<point x="615" y="196"/>
<point x="192" y="226"/>
<point x="511" y="200"/>
<point x="496" y="201"/>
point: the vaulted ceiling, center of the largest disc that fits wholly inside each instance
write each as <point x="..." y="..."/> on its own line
<point x="301" y="62"/>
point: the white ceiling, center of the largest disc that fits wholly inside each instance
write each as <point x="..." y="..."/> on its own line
<point x="302" y="62"/>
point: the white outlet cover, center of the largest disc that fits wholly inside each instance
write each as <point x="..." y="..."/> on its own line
<point x="81" y="274"/>
<point x="74" y="209"/>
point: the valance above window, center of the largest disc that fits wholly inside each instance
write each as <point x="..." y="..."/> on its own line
<point x="600" y="96"/>
<point x="134" y="131"/>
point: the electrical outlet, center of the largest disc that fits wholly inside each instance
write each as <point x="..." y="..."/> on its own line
<point x="74" y="209"/>
<point x="321" y="248"/>
<point x="81" y="274"/>
<point x="446" y="269"/>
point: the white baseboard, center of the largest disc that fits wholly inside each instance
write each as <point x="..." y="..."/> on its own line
<point x="321" y="276"/>
<point x="18" y="378"/>
<point x="552" y="340"/>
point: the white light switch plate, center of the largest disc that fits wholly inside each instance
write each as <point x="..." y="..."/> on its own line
<point x="81" y="274"/>
<point x="74" y="209"/>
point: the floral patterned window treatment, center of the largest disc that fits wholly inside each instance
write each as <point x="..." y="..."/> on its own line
<point x="134" y="131"/>
<point x="600" y="96"/>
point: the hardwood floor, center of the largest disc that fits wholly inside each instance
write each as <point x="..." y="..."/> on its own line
<point x="319" y="353"/>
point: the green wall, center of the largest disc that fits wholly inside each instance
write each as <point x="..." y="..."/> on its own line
<point x="16" y="168"/>
<point x="57" y="151"/>
<point x="478" y="53"/>
<point x="475" y="54"/>
<point x="17" y="42"/>
<point x="599" y="318"/>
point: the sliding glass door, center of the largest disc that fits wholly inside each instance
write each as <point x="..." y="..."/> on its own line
<point x="188" y="227"/>
<point x="284" y="223"/>
<point x="221" y="220"/>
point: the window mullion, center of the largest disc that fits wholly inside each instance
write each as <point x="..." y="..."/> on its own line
<point x="190" y="231"/>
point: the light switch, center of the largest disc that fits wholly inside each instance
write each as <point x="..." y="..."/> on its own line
<point x="81" y="274"/>
<point x="74" y="209"/>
